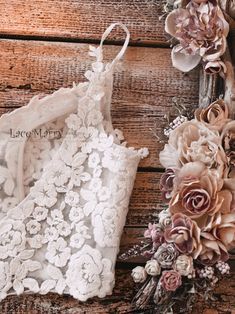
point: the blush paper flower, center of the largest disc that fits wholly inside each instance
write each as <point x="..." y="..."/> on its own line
<point x="201" y="30"/>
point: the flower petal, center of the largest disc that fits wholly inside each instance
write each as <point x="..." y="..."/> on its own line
<point x="182" y="61"/>
<point x="170" y="22"/>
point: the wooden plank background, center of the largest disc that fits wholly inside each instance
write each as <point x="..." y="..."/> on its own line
<point x="44" y="46"/>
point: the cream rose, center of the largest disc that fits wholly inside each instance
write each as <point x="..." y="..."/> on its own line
<point x="184" y="265"/>
<point x="152" y="267"/>
<point x="139" y="274"/>
<point x="164" y="218"/>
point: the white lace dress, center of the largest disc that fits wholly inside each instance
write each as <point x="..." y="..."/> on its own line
<point x="64" y="234"/>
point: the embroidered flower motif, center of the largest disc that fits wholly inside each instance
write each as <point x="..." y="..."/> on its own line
<point x="56" y="217"/>
<point x="104" y="193"/>
<point x="78" y="239"/>
<point x="8" y="202"/>
<point x="51" y="234"/>
<point x="97" y="172"/>
<point x="58" y="253"/>
<point x="93" y="160"/>
<point x="94" y="117"/>
<point x="72" y="198"/>
<point x="89" y="137"/>
<point x="114" y="159"/>
<point x="104" y="220"/>
<point x="40" y="213"/>
<point x="64" y="228"/>
<point x="74" y="122"/>
<point x="33" y="226"/>
<point x="78" y="176"/>
<point x="76" y="214"/>
<point x="89" y="274"/>
<point x="105" y="141"/>
<point x="95" y="184"/>
<point x="36" y="242"/>
<point x="44" y="194"/>
<point x="58" y="174"/>
<point x="5" y="279"/>
<point x="12" y="238"/>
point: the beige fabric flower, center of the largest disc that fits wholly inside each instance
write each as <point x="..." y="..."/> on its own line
<point x="213" y="250"/>
<point x="198" y="194"/>
<point x="224" y="230"/>
<point x="214" y="116"/>
<point x="193" y="141"/>
<point x="201" y="30"/>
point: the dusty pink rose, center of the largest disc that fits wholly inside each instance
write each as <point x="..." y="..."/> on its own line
<point x="155" y="233"/>
<point x="170" y="280"/>
<point x="214" y="116"/>
<point x="201" y="30"/>
<point x="214" y="67"/>
<point x="199" y="194"/>
<point x="166" y="184"/>
<point x="185" y="234"/>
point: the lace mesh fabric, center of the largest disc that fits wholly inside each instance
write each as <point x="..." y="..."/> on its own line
<point x="64" y="235"/>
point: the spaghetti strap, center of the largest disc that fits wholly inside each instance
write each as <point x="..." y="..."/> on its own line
<point x="125" y="45"/>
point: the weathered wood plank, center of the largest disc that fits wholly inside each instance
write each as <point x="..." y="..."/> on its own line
<point x="144" y="85"/>
<point x="119" y="302"/>
<point x="83" y="19"/>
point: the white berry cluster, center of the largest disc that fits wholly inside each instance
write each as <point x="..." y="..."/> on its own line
<point x="174" y="124"/>
<point x="223" y="267"/>
<point x="206" y="272"/>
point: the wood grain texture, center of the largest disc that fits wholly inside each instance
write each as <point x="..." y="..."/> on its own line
<point x="118" y="303"/>
<point x="145" y="84"/>
<point x="83" y="19"/>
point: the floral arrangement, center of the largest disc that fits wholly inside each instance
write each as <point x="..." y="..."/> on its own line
<point x="187" y="248"/>
<point x="201" y="29"/>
